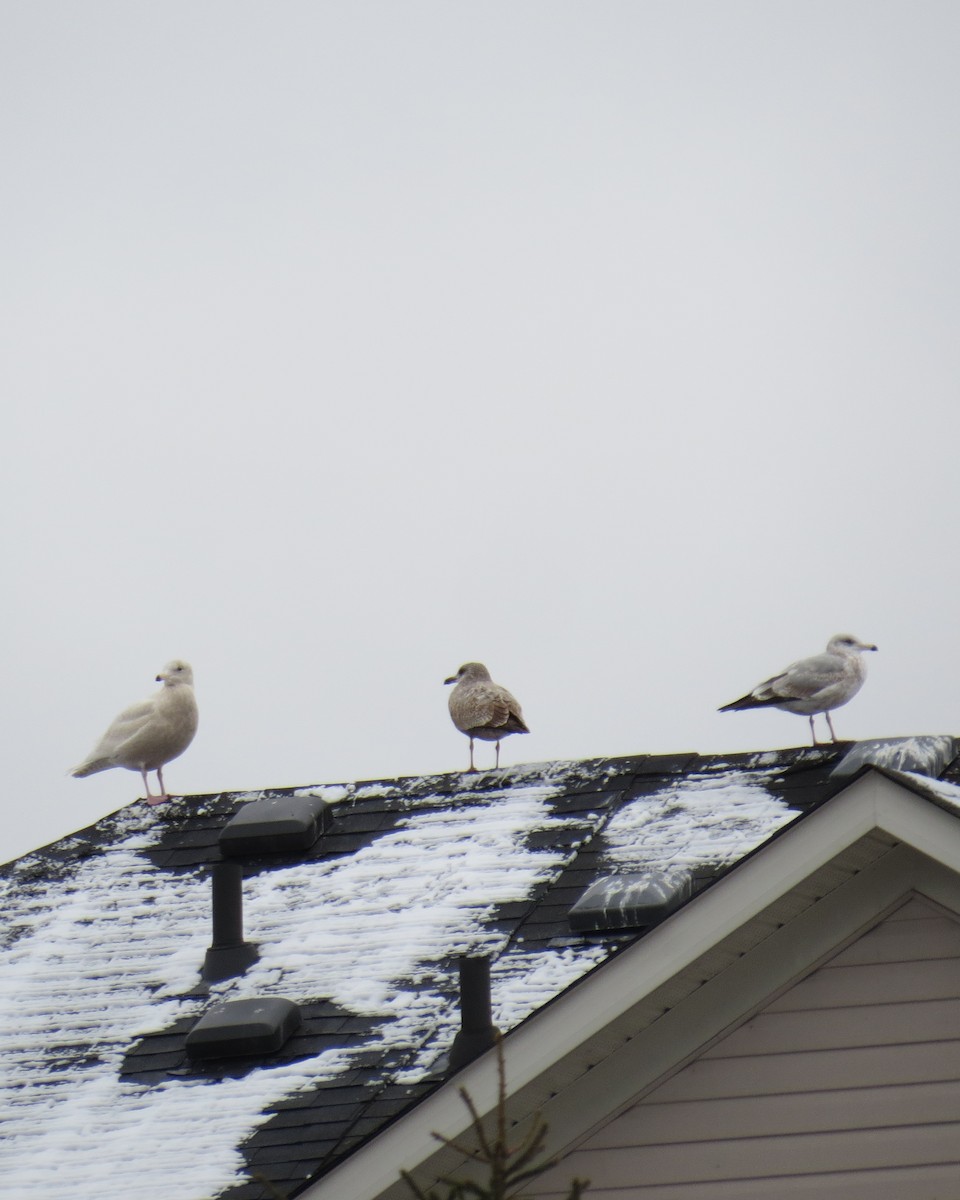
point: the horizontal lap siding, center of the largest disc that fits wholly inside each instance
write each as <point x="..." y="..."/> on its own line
<point x="655" y="1124"/>
<point x="857" y="1025"/>
<point x="770" y="1157"/>
<point x="936" y="979"/>
<point x="913" y="910"/>
<point x="820" y="1070"/>
<point x="899" y="941"/>
<point x="936" y="1182"/>
<point x="846" y="1087"/>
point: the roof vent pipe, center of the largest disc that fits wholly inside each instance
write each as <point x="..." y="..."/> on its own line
<point x="477" y="1030"/>
<point x="229" y="954"/>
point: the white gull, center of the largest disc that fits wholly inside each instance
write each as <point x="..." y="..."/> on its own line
<point x="149" y="734"/>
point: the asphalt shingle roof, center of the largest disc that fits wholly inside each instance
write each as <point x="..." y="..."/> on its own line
<point x="104" y="934"/>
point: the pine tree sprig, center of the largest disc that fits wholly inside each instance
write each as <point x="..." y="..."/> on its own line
<point x="508" y="1166"/>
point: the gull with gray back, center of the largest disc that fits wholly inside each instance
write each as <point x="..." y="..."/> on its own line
<point x="813" y="685"/>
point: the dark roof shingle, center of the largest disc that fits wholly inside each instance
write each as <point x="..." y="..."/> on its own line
<point x="105" y="932"/>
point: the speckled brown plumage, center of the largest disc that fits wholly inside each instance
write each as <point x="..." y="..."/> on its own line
<point x="483" y="709"/>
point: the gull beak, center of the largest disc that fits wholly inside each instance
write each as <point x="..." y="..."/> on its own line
<point x="452" y="679"/>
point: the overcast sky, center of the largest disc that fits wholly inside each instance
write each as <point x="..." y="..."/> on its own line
<point x="612" y="344"/>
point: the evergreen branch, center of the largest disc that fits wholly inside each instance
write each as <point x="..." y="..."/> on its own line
<point x="488" y="1152"/>
<point x="508" y="1167"/>
<point x="466" y="1151"/>
<point x="531" y="1146"/>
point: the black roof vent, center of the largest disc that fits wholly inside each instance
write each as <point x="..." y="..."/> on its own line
<point x="244" y="1027"/>
<point x="275" y="825"/>
<point x="630" y="901"/>
<point x="228" y="954"/>
<point x="924" y="755"/>
<point x="477" y="1030"/>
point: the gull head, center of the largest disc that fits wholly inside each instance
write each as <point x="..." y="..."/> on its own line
<point x="846" y="643"/>
<point x="471" y="671"/>
<point x="176" y="671"/>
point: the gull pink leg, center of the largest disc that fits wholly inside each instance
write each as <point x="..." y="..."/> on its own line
<point x="830" y="723"/>
<point x="151" y="799"/>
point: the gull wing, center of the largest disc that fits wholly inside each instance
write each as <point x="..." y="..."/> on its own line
<point x="125" y="727"/>
<point x="802" y="680"/>
<point x="488" y="706"/>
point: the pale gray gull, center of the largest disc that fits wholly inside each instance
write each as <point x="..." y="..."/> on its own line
<point x="483" y="709"/>
<point x="149" y="734"/>
<point x="813" y="685"/>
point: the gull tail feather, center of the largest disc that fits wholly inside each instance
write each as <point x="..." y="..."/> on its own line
<point x="90" y="768"/>
<point x="750" y="701"/>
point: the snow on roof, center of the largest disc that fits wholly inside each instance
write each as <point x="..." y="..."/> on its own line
<point x="102" y="946"/>
<point x="106" y="954"/>
<point x="702" y="818"/>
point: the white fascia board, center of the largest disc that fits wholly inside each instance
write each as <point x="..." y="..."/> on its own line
<point x="871" y="803"/>
<point x="914" y="820"/>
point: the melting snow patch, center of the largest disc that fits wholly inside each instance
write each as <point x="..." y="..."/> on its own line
<point x="351" y="929"/>
<point x="111" y="951"/>
<point x="331" y="793"/>
<point x="92" y="968"/>
<point x="523" y="983"/>
<point x="702" y="819"/>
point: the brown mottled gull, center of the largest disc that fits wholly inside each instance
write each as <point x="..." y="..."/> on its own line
<point x="813" y="685"/>
<point x="483" y="709"/>
<point x="147" y="735"/>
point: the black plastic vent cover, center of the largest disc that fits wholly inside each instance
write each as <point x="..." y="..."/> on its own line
<point x="924" y="755"/>
<point x="630" y="901"/>
<point x="244" y="1027"/>
<point x="275" y="825"/>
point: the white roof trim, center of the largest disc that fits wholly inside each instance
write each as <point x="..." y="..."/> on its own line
<point x="872" y="802"/>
